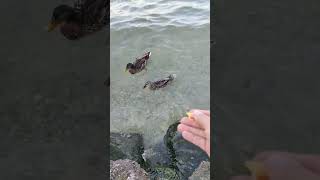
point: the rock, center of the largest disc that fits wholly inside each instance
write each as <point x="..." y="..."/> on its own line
<point x="174" y="154"/>
<point x="188" y="155"/>
<point x="116" y="153"/>
<point x="164" y="173"/>
<point x="127" y="170"/>
<point x="157" y="156"/>
<point x="126" y="146"/>
<point x="202" y="172"/>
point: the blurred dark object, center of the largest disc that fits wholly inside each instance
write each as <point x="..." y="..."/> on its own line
<point x="107" y="82"/>
<point x="84" y="18"/>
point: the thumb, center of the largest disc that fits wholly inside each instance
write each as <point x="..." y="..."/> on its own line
<point x="202" y="119"/>
<point x="284" y="167"/>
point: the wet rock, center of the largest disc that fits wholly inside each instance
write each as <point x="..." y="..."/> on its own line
<point x="127" y="170"/>
<point x="116" y="153"/>
<point x="202" y="172"/>
<point x="188" y="155"/>
<point x="174" y="154"/>
<point x="164" y="173"/>
<point x="126" y="146"/>
<point x="157" y="156"/>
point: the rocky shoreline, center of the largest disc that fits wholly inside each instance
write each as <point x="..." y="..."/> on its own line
<point x="172" y="158"/>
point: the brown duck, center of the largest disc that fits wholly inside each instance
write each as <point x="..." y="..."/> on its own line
<point x="139" y="64"/>
<point x="84" y="18"/>
<point x="159" y="83"/>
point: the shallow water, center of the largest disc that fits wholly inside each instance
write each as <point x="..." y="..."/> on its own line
<point x="177" y="34"/>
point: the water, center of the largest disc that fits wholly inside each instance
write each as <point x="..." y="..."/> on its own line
<point x="177" y="34"/>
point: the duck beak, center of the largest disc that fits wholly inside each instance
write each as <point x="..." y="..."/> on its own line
<point x="52" y="25"/>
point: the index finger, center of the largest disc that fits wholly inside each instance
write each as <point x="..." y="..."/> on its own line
<point x="202" y="119"/>
<point x="190" y="122"/>
<point x="311" y="162"/>
<point x="206" y="112"/>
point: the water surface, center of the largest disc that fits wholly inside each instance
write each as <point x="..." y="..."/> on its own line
<point x="177" y="34"/>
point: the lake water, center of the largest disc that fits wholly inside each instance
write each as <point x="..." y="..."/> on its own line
<point x="177" y="34"/>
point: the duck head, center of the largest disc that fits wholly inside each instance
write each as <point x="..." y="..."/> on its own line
<point x="130" y="67"/>
<point x="61" y="14"/>
<point x="147" y="84"/>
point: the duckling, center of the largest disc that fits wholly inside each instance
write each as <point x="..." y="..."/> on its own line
<point x="139" y="64"/>
<point x="84" y="18"/>
<point x="159" y="83"/>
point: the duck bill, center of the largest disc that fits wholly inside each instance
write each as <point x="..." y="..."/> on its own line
<point x="52" y="25"/>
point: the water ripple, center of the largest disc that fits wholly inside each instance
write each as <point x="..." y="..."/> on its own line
<point x="159" y="13"/>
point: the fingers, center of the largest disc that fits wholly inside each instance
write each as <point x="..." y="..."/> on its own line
<point x="278" y="165"/>
<point x="196" y="140"/>
<point x="201" y="118"/>
<point x="190" y="122"/>
<point x="195" y="131"/>
<point x="241" y="178"/>
<point x="206" y="112"/>
<point x="310" y="162"/>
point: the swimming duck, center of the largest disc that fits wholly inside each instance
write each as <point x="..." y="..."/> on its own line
<point x="85" y="17"/>
<point x="159" y="83"/>
<point x="139" y="64"/>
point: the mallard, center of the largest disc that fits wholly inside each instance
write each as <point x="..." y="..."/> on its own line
<point x="139" y="64"/>
<point x="85" y="17"/>
<point x="159" y="83"/>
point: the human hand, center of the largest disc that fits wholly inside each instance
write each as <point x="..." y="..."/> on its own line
<point x="196" y="129"/>
<point x="287" y="166"/>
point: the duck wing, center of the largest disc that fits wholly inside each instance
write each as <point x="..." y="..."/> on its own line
<point x="162" y="83"/>
<point x="140" y="63"/>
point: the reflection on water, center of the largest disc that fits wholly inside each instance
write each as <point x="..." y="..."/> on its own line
<point x="180" y="47"/>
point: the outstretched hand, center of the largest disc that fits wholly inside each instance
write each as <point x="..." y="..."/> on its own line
<point x="196" y="129"/>
<point x="287" y="166"/>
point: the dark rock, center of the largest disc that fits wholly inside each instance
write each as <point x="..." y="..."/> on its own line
<point x="164" y="173"/>
<point x="174" y="156"/>
<point x="116" y="153"/>
<point x="157" y="156"/>
<point x="188" y="156"/>
<point x="126" y="146"/>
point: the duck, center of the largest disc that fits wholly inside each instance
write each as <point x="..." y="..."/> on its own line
<point x="83" y="18"/>
<point x="139" y="65"/>
<point x="159" y="83"/>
